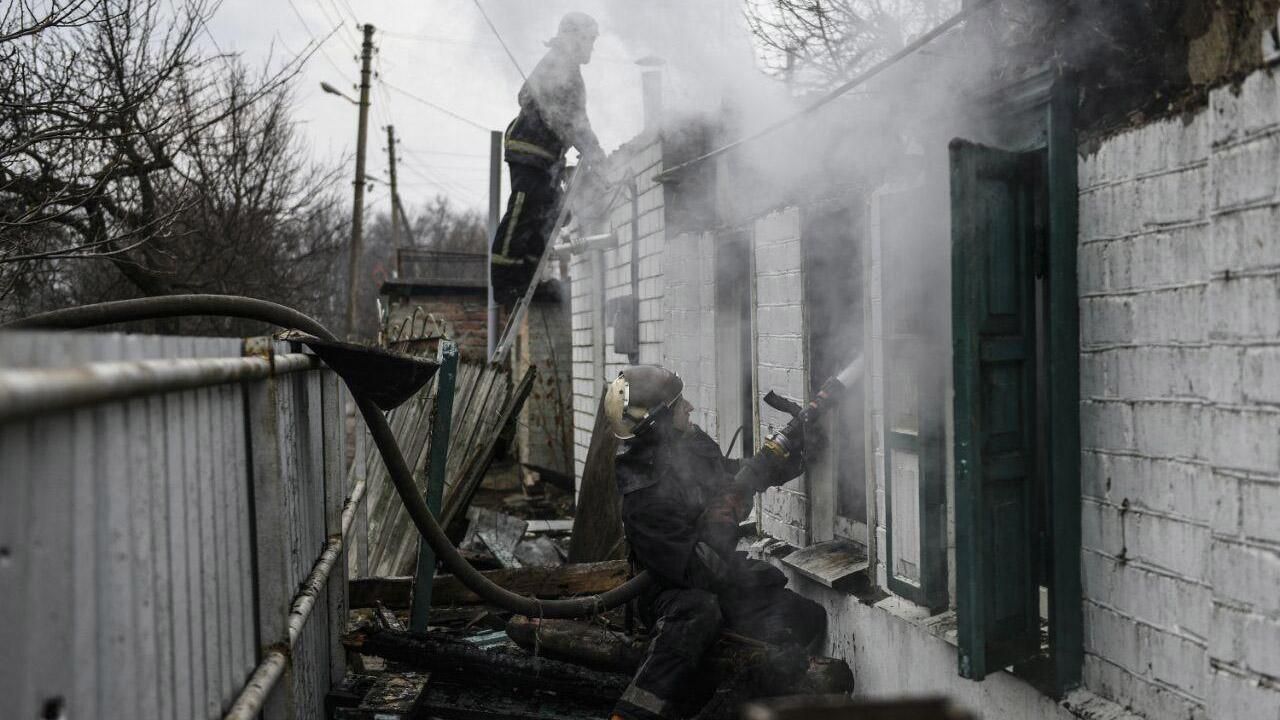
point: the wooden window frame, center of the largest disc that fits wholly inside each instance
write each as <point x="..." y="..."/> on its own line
<point x="1057" y="260"/>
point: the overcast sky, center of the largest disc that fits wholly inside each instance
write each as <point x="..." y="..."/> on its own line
<point x="441" y="51"/>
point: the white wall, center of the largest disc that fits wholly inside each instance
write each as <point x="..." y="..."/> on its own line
<point x="1179" y="277"/>
<point x="689" y="332"/>
<point x="1180" y="377"/>
<point x="593" y="353"/>
<point x="780" y="357"/>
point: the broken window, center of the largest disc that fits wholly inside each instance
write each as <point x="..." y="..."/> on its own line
<point x="834" y="325"/>
<point x="734" y="399"/>
<point x="914" y="342"/>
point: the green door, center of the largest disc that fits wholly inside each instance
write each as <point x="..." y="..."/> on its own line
<point x="993" y="335"/>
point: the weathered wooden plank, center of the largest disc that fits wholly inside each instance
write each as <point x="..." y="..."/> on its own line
<point x="456" y="502"/>
<point x="563" y="581"/>
<point x="501" y="669"/>
<point x="597" y="522"/>
<point x="336" y="492"/>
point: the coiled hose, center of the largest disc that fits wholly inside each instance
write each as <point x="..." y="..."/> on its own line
<point x="170" y="306"/>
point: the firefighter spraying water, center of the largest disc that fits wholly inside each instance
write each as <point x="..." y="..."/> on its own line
<point x="682" y="503"/>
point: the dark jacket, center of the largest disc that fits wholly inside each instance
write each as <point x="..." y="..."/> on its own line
<point x="553" y="115"/>
<point x="668" y="482"/>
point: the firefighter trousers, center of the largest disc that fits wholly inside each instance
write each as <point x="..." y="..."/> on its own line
<point x="671" y="681"/>
<point x="523" y="233"/>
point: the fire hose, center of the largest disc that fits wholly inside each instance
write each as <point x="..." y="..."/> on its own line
<point x="172" y="306"/>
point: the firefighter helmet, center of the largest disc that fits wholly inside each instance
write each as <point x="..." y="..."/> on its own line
<point x="578" y="24"/>
<point x="638" y="397"/>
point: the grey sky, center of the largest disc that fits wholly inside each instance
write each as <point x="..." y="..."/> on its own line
<point x="441" y="51"/>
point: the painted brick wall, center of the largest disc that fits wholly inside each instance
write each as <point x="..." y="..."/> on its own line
<point x="688" y="310"/>
<point x="642" y="161"/>
<point x="585" y="383"/>
<point x="1179" y="273"/>
<point x="780" y="360"/>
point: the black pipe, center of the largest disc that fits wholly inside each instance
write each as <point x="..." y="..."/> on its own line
<point x="110" y="313"/>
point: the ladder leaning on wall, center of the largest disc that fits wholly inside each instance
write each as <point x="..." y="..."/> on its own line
<point x="512" y="326"/>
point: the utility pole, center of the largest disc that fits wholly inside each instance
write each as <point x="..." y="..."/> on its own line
<point x="357" y="206"/>
<point x="495" y="203"/>
<point x="395" y="197"/>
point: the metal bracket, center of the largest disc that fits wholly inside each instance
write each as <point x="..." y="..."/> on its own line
<point x="1271" y="42"/>
<point x="263" y="347"/>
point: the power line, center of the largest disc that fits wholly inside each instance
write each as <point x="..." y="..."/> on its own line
<point x="336" y="21"/>
<point x="500" y="40"/>
<point x="434" y="106"/>
<point x="350" y="11"/>
<point x="319" y="43"/>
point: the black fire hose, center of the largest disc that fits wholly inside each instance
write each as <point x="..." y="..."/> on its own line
<point x="252" y="309"/>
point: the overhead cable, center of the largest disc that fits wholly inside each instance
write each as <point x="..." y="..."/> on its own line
<point x="434" y="106"/>
<point x="498" y="35"/>
<point x="859" y="79"/>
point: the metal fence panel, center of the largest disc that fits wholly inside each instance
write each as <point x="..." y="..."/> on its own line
<point x="128" y="532"/>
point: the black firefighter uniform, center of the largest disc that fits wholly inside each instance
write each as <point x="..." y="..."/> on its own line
<point x="673" y="488"/>
<point x="553" y="116"/>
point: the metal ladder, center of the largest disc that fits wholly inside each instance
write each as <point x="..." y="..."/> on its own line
<point x="511" y="327"/>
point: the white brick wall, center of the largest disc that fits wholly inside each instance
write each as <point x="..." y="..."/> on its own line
<point x="1179" y="271"/>
<point x="688" y="309"/>
<point x="643" y="163"/>
<point x="780" y="360"/>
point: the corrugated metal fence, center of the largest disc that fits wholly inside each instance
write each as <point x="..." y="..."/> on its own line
<point x="151" y="547"/>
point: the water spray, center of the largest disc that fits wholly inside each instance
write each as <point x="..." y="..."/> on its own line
<point x="790" y="439"/>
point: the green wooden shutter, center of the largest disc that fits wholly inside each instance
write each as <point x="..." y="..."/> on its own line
<point x="993" y="335"/>
<point x="914" y="464"/>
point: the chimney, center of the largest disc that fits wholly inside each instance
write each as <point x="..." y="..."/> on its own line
<point x="651" y="91"/>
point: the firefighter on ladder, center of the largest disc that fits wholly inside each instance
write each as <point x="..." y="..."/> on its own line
<point x="553" y="117"/>
<point x="682" y="500"/>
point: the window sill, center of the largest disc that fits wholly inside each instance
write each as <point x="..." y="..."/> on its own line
<point x="838" y="564"/>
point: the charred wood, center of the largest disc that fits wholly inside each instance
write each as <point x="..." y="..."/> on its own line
<point x="543" y="582"/>
<point x="497" y="668"/>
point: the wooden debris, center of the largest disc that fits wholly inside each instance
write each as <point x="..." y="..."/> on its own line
<point x="835" y="563"/>
<point x="597" y="526"/>
<point x="394" y="696"/>
<point x="481" y="392"/>
<point x="386" y="619"/>
<point x="563" y="581"/>
<point x="458" y="496"/>
<point x="843" y="708"/>
<point x="460" y="698"/>
<point x="500" y="533"/>
<point x="580" y="643"/>
<point x="550" y="526"/>
<point x="495" y="667"/>
<point x="538" y="552"/>
<point x="774" y="671"/>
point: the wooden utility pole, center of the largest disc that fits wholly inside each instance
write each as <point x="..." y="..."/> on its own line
<point x="357" y="206"/>
<point x="395" y="197"/>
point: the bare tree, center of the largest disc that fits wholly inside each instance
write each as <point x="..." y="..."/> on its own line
<point x="440" y="225"/>
<point x="131" y="162"/>
<point x="816" y="44"/>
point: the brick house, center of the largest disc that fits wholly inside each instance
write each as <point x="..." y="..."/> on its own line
<point x="1055" y="493"/>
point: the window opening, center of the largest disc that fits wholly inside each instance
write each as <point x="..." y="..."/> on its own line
<point x="834" y="330"/>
